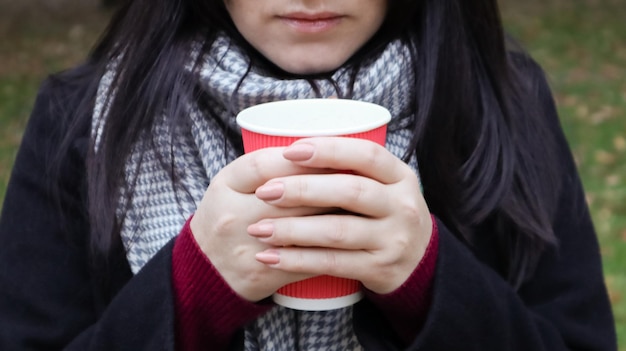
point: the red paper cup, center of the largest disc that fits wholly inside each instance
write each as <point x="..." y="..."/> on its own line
<point x="281" y="123"/>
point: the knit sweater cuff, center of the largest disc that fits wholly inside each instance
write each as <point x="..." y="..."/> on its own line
<point x="208" y="311"/>
<point x="406" y="308"/>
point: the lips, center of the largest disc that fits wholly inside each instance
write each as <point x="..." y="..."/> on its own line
<point x="312" y="22"/>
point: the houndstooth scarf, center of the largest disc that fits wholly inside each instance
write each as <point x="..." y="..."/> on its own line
<point x="200" y="149"/>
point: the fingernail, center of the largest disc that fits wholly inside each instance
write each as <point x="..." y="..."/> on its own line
<point x="268" y="257"/>
<point x="271" y="191"/>
<point x="263" y="229"/>
<point x="299" y="152"/>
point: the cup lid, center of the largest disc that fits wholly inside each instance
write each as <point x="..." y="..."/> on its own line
<point x="313" y="117"/>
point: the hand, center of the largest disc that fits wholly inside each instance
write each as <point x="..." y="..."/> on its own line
<point x="381" y="238"/>
<point x="229" y="206"/>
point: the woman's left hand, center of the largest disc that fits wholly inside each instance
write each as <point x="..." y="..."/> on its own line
<point x="379" y="233"/>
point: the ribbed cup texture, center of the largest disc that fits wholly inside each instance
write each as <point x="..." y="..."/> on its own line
<point x="321" y="287"/>
<point x="253" y="141"/>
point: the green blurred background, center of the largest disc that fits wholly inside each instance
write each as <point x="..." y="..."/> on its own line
<point x="580" y="43"/>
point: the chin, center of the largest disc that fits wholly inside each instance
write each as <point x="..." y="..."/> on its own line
<point x="309" y="68"/>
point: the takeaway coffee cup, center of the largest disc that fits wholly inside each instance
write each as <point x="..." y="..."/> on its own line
<point x="281" y="123"/>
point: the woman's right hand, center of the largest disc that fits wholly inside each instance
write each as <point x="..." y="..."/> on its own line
<point x="229" y="206"/>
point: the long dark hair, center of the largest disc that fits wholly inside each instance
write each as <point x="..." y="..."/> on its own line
<point x="479" y="132"/>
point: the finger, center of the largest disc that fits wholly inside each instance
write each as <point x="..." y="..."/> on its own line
<point x="257" y="210"/>
<point x="337" y="231"/>
<point x="347" y="191"/>
<point x="246" y="208"/>
<point x="360" y="156"/>
<point x="249" y="171"/>
<point x="317" y="261"/>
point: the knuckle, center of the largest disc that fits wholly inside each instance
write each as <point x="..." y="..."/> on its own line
<point x="391" y="254"/>
<point x="338" y="232"/>
<point x="384" y="262"/>
<point x="302" y="189"/>
<point x="225" y="223"/>
<point x="298" y="262"/>
<point x="356" y="190"/>
<point x="283" y="232"/>
<point x="409" y="208"/>
<point x="334" y="154"/>
<point x="258" y="162"/>
<point x="329" y="261"/>
<point x="255" y="165"/>
<point x="296" y="190"/>
<point x="375" y="157"/>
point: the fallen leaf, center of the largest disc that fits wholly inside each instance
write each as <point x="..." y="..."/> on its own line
<point x="612" y="180"/>
<point x="582" y="111"/>
<point x="577" y="74"/>
<point x="606" y="112"/>
<point x="604" y="157"/>
<point x="568" y="100"/>
<point x="611" y="71"/>
<point x="619" y="142"/>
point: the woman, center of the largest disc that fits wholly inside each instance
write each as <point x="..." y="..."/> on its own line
<point x="133" y="222"/>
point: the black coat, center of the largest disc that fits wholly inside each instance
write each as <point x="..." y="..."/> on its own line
<point x="52" y="298"/>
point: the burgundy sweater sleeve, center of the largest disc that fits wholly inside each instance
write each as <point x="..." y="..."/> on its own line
<point x="406" y="307"/>
<point x="208" y="311"/>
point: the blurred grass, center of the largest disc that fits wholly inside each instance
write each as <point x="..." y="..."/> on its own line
<point x="36" y="40"/>
<point x="580" y="43"/>
<point x="582" y="47"/>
